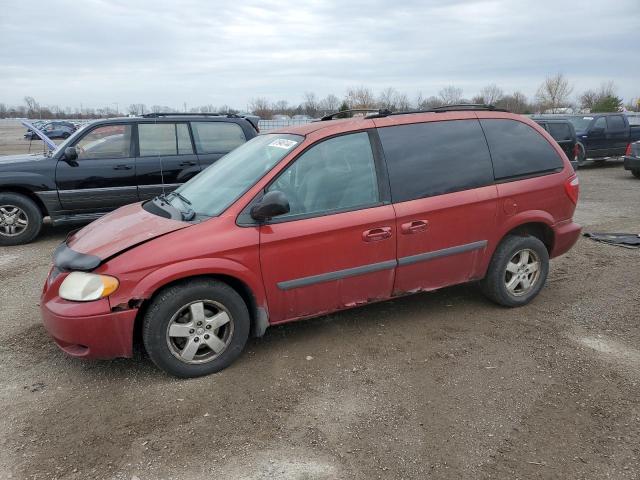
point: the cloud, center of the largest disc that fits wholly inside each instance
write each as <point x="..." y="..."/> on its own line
<point x="226" y="52"/>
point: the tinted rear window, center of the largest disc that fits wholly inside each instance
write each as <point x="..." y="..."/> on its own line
<point x="559" y="131"/>
<point x="518" y="150"/>
<point x="615" y="123"/>
<point x="217" y="137"/>
<point x="427" y="159"/>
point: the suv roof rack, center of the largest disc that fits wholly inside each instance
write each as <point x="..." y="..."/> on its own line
<point x="178" y="114"/>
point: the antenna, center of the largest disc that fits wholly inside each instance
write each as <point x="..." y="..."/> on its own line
<point x="155" y="122"/>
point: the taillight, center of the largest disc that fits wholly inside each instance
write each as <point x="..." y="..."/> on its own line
<point x="627" y="152"/>
<point x="572" y="187"/>
<point x="576" y="151"/>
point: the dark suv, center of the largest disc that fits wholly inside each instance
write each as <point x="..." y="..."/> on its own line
<point x="110" y="163"/>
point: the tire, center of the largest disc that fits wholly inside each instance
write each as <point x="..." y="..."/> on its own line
<point x="509" y="253"/>
<point x="635" y="172"/>
<point x="179" y="345"/>
<point x="20" y="219"/>
<point x="66" y="135"/>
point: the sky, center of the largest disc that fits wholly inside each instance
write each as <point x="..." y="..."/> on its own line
<point x="98" y="53"/>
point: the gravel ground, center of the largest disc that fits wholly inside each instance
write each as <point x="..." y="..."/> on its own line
<point x="443" y="385"/>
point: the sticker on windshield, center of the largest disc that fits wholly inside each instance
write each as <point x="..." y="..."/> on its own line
<point x="587" y="118"/>
<point x="283" y="143"/>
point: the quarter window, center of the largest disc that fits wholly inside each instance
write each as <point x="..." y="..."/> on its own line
<point x="427" y="159"/>
<point x="164" y="139"/>
<point x="109" y="141"/>
<point x="518" y="150"/>
<point x="217" y="137"/>
<point x="559" y="131"/>
<point x="335" y="175"/>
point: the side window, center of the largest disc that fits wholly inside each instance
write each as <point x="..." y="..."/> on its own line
<point x="518" y="150"/>
<point x="559" y="131"/>
<point x="615" y="123"/>
<point x="217" y="137"/>
<point x="601" y="122"/>
<point x="109" y="141"/>
<point x="335" y="175"/>
<point x="164" y="139"/>
<point x="427" y="159"/>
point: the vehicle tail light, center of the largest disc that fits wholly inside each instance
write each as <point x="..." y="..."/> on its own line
<point x="572" y="187"/>
<point x="627" y="152"/>
<point x="576" y="151"/>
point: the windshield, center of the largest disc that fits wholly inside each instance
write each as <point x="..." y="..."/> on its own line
<point x="68" y="141"/>
<point x="580" y="123"/>
<point x="214" y="189"/>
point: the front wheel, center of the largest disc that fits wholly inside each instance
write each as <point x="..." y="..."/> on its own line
<point x="517" y="272"/>
<point x="196" y="328"/>
<point x="20" y="219"/>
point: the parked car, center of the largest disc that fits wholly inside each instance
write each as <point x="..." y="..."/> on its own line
<point x="603" y="135"/>
<point x="111" y="163"/>
<point x="310" y="220"/>
<point x="562" y="132"/>
<point x="53" y="129"/>
<point x="632" y="159"/>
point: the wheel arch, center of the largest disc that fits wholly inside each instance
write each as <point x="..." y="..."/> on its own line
<point x="27" y="193"/>
<point x="258" y="314"/>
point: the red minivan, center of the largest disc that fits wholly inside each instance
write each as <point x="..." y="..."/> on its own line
<point x="313" y="219"/>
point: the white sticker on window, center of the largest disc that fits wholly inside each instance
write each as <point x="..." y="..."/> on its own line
<point x="283" y="143"/>
<point x="587" y="118"/>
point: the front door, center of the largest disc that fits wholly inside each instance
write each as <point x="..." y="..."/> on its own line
<point x="103" y="177"/>
<point x="165" y="158"/>
<point x="617" y="135"/>
<point x="336" y="247"/>
<point x="597" y="143"/>
<point x="442" y="188"/>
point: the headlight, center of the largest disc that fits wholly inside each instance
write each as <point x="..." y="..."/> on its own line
<point x="84" y="287"/>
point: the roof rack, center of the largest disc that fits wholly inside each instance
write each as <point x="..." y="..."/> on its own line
<point x="353" y="110"/>
<point x="380" y="113"/>
<point x="444" y="108"/>
<point x="180" y="114"/>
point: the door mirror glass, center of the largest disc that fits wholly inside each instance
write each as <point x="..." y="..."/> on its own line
<point x="273" y="203"/>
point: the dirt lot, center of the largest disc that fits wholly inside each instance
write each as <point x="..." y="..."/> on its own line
<point x="441" y="385"/>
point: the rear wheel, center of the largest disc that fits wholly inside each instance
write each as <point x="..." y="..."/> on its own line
<point x="636" y="172"/>
<point x="517" y="272"/>
<point x="20" y="219"/>
<point x="197" y="328"/>
<point x="581" y="157"/>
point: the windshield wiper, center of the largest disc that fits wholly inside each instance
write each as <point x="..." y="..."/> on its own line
<point x="187" y="213"/>
<point x="181" y="197"/>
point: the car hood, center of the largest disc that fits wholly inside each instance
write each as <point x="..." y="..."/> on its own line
<point x="119" y="230"/>
<point x="24" y="158"/>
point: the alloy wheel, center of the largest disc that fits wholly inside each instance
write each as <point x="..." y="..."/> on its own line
<point x="522" y="272"/>
<point x="200" y="331"/>
<point x="13" y="220"/>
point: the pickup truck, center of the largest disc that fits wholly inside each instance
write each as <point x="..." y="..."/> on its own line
<point x="603" y="135"/>
<point x="110" y="163"/>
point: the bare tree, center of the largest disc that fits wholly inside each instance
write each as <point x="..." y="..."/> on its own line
<point x="310" y="104"/>
<point x="32" y="106"/>
<point x="590" y="98"/>
<point x="516" y="102"/>
<point x="329" y="104"/>
<point x="360" y="97"/>
<point x="136" y="109"/>
<point x="387" y="98"/>
<point x="261" y="107"/>
<point x="450" y="95"/>
<point x="430" y="102"/>
<point x="3" y="110"/>
<point x="491" y="94"/>
<point x="554" y="93"/>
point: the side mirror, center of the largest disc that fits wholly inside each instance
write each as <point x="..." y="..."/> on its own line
<point x="70" y="154"/>
<point x="271" y="205"/>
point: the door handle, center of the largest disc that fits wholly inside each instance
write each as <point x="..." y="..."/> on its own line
<point x="376" y="234"/>
<point x="414" y="226"/>
<point x="122" y="167"/>
<point x="188" y="164"/>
